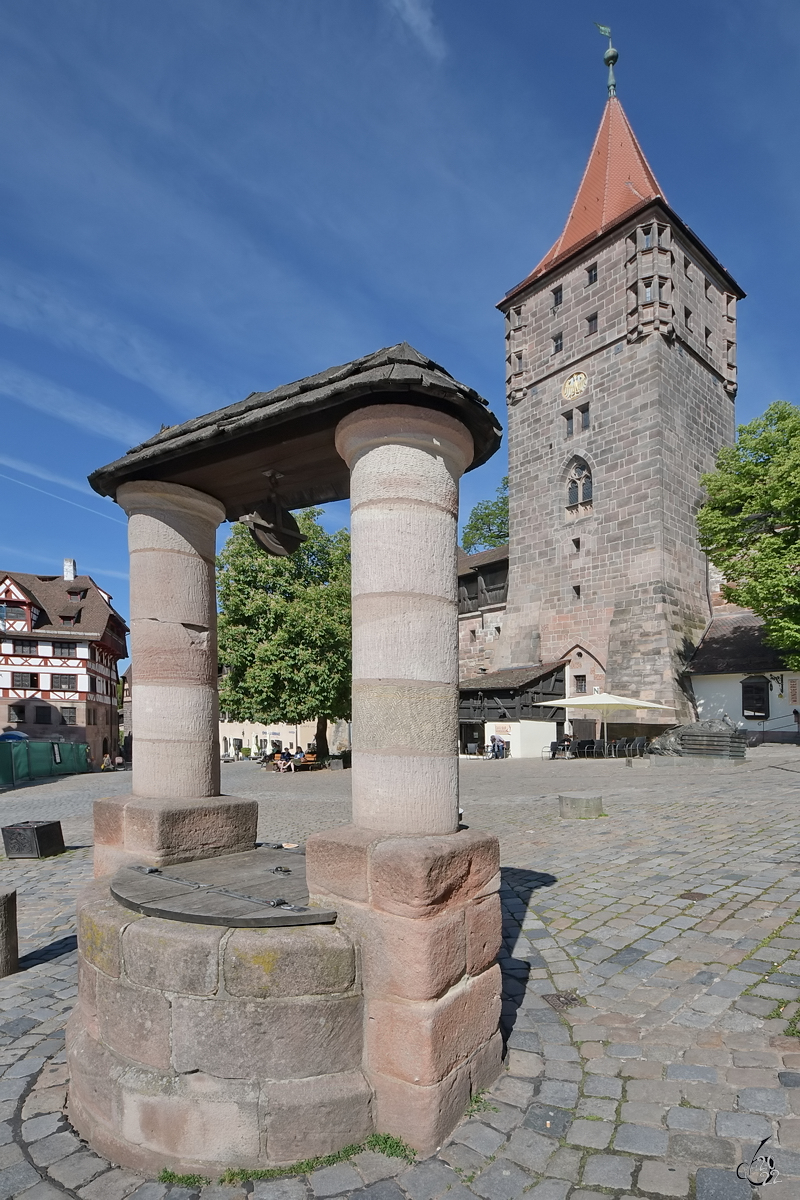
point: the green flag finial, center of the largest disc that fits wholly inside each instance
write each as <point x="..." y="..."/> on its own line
<point x="609" y="58"/>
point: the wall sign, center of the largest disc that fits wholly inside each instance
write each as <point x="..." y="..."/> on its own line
<point x="574" y="385"/>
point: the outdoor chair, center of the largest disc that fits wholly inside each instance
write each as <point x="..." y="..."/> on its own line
<point x="620" y="746"/>
<point x="599" y="749"/>
<point x="636" y="748"/>
<point x="585" y="747"/>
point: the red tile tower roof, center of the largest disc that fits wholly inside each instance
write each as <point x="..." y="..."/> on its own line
<point x="617" y="180"/>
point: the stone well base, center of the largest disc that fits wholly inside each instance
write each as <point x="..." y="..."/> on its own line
<point x="425" y="915"/>
<point x="159" y="832"/>
<point x="199" y="1048"/>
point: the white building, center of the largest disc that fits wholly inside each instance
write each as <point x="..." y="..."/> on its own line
<point x="734" y="674"/>
<point x="236" y="736"/>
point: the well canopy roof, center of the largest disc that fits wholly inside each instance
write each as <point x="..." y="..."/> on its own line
<point x="289" y="433"/>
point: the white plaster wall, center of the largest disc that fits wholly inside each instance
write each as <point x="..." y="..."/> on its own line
<point x="527" y="738"/>
<point x="718" y="695"/>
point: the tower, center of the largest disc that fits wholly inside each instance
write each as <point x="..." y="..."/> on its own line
<point x="621" y="378"/>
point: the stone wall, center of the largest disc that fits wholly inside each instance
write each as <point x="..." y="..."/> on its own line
<point x="264" y="1026"/>
<point x="478" y="636"/>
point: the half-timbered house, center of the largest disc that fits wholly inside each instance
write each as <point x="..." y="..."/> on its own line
<point x="60" y="642"/>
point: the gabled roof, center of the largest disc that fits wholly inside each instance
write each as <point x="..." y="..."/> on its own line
<point x="50" y="594"/>
<point x="510" y="678"/>
<point x="733" y="644"/>
<point x="483" y="558"/>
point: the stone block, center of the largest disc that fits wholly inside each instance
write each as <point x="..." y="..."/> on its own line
<point x="486" y="1064"/>
<point x="134" y="1022"/>
<point x="409" y="876"/>
<point x="279" y="1189"/>
<point x="695" y="1148"/>
<point x="580" y="806"/>
<point x="337" y="862"/>
<point x="479" y="1137"/>
<point x="316" y="1116"/>
<point x="412" y="959"/>
<point x="484" y="933"/>
<point x="609" y="1170"/>
<point x="713" y="1184"/>
<point x="595" y="1134"/>
<point x="501" y="1180"/>
<point x="159" y="832"/>
<point x="78" y="1169"/>
<point x="271" y="1039"/>
<point x="332" y="1181"/>
<point x="664" y="1180"/>
<point x="87" y="996"/>
<point x="422" y="1116"/>
<point x="188" y="1123"/>
<point x="100" y="924"/>
<point x="524" y="1064"/>
<point x="742" y="1125"/>
<point x="529" y="1149"/>
<point x="641" y="1139"/>
<point x="9" y="942"/>
<point x="114" y="1185"/>
<point x="373" y="1166"/>
<point x="301" y="960"/>
<point x="172" y="956"/>
<point x="92" y="1094"/>
<point x="422" y="1043"/>
<point x="763" y="1100"/>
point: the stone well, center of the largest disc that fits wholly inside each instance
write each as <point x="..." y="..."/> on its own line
<point x="201" y="1046"/>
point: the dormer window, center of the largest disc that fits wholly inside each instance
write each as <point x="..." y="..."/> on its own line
<point x="76" y="597"/>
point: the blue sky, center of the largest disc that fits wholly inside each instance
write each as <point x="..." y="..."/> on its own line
<point x="203" y="199"/>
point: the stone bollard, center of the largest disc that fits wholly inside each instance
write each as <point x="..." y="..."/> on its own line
<point x="581" y="807"/>
<point x="9" y="945"/>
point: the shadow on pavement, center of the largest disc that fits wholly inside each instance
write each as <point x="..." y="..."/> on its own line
<point x="521" y="956"/>
<point x="64" y="945"/>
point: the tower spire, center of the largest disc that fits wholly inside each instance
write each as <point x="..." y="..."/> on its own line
<point x="609" y="58"/>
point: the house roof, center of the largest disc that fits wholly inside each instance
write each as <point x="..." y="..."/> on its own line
<point x="484" y="558"/>
<point x="509" y="678"/>
<point x="289" y="432"/>
<point x="733" y="644"/>
<point x="50" y="594"/>
<point x="617" y="183"/>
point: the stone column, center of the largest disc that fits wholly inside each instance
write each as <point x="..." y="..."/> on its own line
<point x="175" y="812"/>
<point x="405" y="464"/>
<point x="417" y="893"/>
<point x="171" y="538"/>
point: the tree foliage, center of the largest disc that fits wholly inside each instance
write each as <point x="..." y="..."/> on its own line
<point x="750" y="525"/>
<point x="488" y="522"/>
<point x="284" y="627"/>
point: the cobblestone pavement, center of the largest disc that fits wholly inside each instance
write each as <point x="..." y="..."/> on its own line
<point x="675" y="1065"/>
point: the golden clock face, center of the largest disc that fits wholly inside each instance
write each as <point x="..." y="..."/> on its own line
<point x="574" y="385"/>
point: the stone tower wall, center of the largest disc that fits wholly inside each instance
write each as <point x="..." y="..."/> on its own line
<point x="659" y="393"/>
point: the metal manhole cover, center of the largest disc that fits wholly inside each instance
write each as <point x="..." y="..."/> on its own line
<point x="251" y="890"/>
<point x="561" y="1001"/>
<point x="693" y="896"/>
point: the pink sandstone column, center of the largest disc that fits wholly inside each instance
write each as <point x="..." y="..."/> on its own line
<point x="171" y="537"/>
<point x="405" y="463"/>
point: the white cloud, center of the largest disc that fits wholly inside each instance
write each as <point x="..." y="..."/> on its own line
<point x="66" y="405"/>
<point x="418" y="16"/>
<point x="25" y="468"/>
<point x="63" y="499"/>
<point x="30" y="303"/>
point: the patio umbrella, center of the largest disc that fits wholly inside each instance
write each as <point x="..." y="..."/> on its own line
<point x="604" y="702"/>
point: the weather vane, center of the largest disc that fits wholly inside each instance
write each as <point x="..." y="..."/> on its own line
<point x="609" y="58"/>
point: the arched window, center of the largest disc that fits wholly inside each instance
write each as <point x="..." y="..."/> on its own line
<point x="579" y="488"/>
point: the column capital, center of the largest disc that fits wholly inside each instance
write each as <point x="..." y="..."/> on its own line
<point x="154" y="498"/>
<point x="427" y="429"/>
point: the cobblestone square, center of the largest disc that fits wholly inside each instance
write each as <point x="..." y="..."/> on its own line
<point x="679" y="1059"/>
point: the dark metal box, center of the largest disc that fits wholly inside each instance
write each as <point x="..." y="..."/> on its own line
<point x="33" y="839"/>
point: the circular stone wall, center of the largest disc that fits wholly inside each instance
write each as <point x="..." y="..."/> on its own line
<point x="199" y="1047"/>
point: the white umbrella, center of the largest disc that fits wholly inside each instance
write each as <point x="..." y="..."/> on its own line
<point x="604" y="702"/>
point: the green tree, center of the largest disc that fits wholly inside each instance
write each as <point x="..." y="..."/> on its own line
<point x="284" y="628"/>
<point x="750" y="524"/>
<point x="488" y="522"/>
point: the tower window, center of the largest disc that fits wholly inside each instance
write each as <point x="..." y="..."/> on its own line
<point x="580" y="684"/>
<point x="517" y="317"/>
<point x="662" y="235"/>
<point x="576" y="589"/>
<point x="584" y="415"/>
<point x="579" y="485"/>
<point x="731" y="354"/>
<point x="570" y="420"/>
<point x="576" y="542"/>
<point x="518" y="364"/>
<point x="558" y="343"/>
<point x="558" y="296"/>
<point x="662" y="289"/>
<point x="708" y="339"/>
<point x="687" y="318"/>
<point x="591" y="274"/>
<point x="591" y="324"/>
<point x="709" y="291"/>
<point x="687" y="266"/>
<point x="648" y="238"/>
<point x="648" y="291"/>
